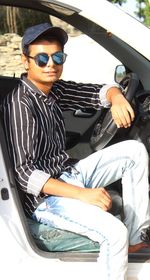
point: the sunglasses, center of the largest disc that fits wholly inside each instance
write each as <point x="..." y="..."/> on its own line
<point x="41" y="59"/>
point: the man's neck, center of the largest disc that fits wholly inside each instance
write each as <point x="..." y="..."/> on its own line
<point x="45" y="87"/>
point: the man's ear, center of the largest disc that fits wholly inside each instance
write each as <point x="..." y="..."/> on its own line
<point x="25" y="62"/>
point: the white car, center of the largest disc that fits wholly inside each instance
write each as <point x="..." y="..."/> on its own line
<point x="111" y="46"/>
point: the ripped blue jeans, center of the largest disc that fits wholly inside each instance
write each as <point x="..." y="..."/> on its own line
<point x="127" y="161"/>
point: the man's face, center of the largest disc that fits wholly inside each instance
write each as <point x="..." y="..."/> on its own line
<point x="47" y="75"/>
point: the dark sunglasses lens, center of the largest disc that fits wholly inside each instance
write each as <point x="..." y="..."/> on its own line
<point x="42" y="59"/>
<point x="59" y="58"/>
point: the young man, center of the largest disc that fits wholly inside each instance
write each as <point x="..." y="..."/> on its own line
<point x="59" y="191"/>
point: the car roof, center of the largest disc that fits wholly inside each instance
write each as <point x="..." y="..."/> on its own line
<point x="103" y="13"/>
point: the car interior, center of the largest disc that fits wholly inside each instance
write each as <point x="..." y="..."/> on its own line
<point x="69" y="245"/>
<point x="87" y="131"/>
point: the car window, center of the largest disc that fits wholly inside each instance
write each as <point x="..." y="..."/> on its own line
<point x="87" y="61"/>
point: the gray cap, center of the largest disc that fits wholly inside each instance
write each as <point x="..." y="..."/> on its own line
<point x="33" y="32"/>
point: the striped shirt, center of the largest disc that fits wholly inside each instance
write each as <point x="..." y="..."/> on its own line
<point x="35" y="132"/>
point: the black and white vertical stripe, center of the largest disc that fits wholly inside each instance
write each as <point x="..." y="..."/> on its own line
<point x="35" y="130"/>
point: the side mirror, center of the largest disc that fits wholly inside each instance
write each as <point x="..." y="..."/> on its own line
<point x="120" y="73"/>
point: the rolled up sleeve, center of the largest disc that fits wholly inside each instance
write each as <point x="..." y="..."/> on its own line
<point x="103" y="92"/>
<point x="37" y="180"/>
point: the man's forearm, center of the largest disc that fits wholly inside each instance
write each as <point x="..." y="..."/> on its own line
<point x="113" y="92"/>
<point x="60" y="188"/>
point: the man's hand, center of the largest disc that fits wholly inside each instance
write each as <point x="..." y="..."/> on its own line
<point x="122" y="112"/>
<point x="98" y="197"/>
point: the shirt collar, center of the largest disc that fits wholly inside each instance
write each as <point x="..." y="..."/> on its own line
<point x="46" y="98"/>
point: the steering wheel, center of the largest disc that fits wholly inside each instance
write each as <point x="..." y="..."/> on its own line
<point x="106" y="129"/>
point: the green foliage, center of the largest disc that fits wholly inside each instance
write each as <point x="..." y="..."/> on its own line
<point x="15" y="20"/>
<point x="120" y="2"/>
<point x="142" y="7"/>
<point x="143" y="11"/>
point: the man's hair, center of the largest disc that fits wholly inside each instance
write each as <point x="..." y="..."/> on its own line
<point x="46" y="37"/>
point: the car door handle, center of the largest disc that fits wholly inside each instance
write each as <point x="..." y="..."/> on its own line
<point x="85" y="113"/>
